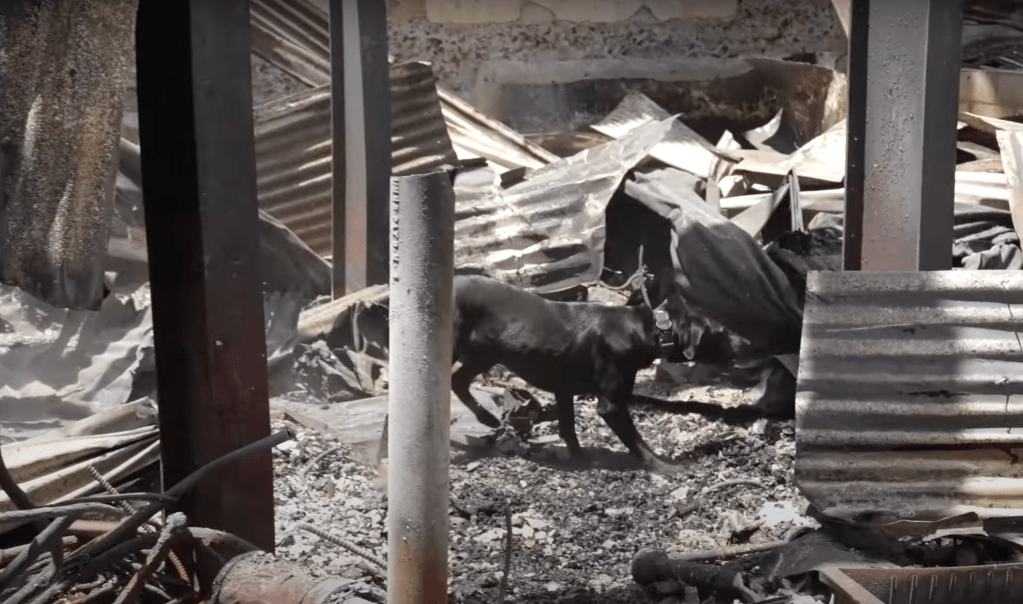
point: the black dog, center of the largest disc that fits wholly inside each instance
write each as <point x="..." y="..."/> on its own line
<point x="566" y="348"/>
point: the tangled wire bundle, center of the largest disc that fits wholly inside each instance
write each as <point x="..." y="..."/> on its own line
<point x="134" y="559"/>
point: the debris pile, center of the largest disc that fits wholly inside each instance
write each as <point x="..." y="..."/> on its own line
<point x="731" y="203"/>
<point x="113" y="546"/>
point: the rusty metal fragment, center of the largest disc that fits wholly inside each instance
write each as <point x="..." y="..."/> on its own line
<point x="257" y="578"/>
<point x="910" y="395"/>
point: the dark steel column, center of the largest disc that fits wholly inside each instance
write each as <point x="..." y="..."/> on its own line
<point x="338" y="157"/>
<point x="199" y="185"/>
<point x="361" y="192"/>
<point x="904" y="60"/>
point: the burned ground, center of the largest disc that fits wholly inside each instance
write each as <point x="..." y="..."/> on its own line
<point x="574" y="531"/>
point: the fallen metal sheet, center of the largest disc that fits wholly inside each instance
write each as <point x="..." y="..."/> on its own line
<point x="59" y="365"/>
<point x="681" y="148"/>
<point x="293" y="149"/>
<point x="991" y="584"/>
<point x="547" y="232"/>
<point x="1010" y="143"/>
<point x="30" y="460"/>
<point x="769" y="167"/>
<point x="123" y="419"/>
<point x="319" y="322"/>
<point x="362" y="421"/>
<point x="293" y="36"/>
<point x="115" y="456"/>
<point x="909" y="397"/>
<point x="990" y="92"/>
<point x="971" y="187"/>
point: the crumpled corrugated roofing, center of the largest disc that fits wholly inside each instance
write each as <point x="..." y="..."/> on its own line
<point x="547" y="232"/>
<point x="294" y="36"/>
<point x="293" y="149"/>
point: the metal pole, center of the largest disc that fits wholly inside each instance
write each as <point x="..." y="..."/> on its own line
<point x="904" y="62"/>
<point x="359" y="68"/>
<point x="338" y="158"/>
<point x="419" y="409"/>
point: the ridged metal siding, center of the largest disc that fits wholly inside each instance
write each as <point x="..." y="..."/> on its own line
<point x="293" y="149"/>
<point x="293" y="165"/>
<point x="293" y="35"/>
<point x="910" y="397"/>
<point x="519" y="238"/>
<point x="419" y="136"/>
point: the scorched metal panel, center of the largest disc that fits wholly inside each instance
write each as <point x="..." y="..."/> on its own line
<point x="910" y="396"/>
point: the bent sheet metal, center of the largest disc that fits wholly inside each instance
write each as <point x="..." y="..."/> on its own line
<point x="910" y="395"/>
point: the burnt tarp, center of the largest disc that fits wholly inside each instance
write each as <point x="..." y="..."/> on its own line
<point x="720" y="271"/>
<point x="984" y="239"/>
<point x="59" y="365"/>
<point x="62" y="88"/>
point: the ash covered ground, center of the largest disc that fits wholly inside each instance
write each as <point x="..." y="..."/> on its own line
<point x="574" y="530"/>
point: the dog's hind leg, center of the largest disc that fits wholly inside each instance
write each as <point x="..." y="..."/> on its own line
<point x="566" y="422"/>
<point x="460" y="382"/>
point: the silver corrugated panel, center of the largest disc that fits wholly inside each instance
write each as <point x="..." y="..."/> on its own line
<point x="293" y="149"/>
<point x="547" y="232"/>
<point x="293" y="164"/>
<point x="293" y="35"/>
<point x="419" y="137"/>
<point x="910" y="399"/>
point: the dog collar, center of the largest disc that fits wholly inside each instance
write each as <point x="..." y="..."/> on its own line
<point x="665" y="335"/>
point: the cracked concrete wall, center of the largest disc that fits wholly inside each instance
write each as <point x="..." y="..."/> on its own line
<point x="462" y="37"/>
<point x="459" y="37"/>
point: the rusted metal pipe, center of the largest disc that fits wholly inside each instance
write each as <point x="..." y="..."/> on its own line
<point x="419" y="409"/>
<point x="258" y="578"/>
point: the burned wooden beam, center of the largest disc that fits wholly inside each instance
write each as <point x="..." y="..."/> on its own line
<point x="199" y="185"/>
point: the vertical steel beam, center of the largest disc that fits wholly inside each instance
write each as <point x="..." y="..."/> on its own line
<point x="904" y="61"/>
<point x="361" y="116"/>
<point x="199" y="186"/>
<point x="338" y="156"/>
<point x="419" y="408"/>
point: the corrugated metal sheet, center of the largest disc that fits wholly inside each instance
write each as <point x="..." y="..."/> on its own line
<point x="910" y="397"/>
<point x="293" y="164"/>
<point x="419" y="136"/>
<point x="293" y="35"/>
<point x="293" y="149"/>
<point x="547" y="232"/>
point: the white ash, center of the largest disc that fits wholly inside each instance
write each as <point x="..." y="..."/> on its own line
<point x="574" y="532"/>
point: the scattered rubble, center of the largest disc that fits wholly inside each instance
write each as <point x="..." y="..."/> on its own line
<point x="732" y="220"/>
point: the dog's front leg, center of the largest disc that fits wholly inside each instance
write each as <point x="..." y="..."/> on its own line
<point x="614" y="410"/>
<point x="460" y="382"/>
